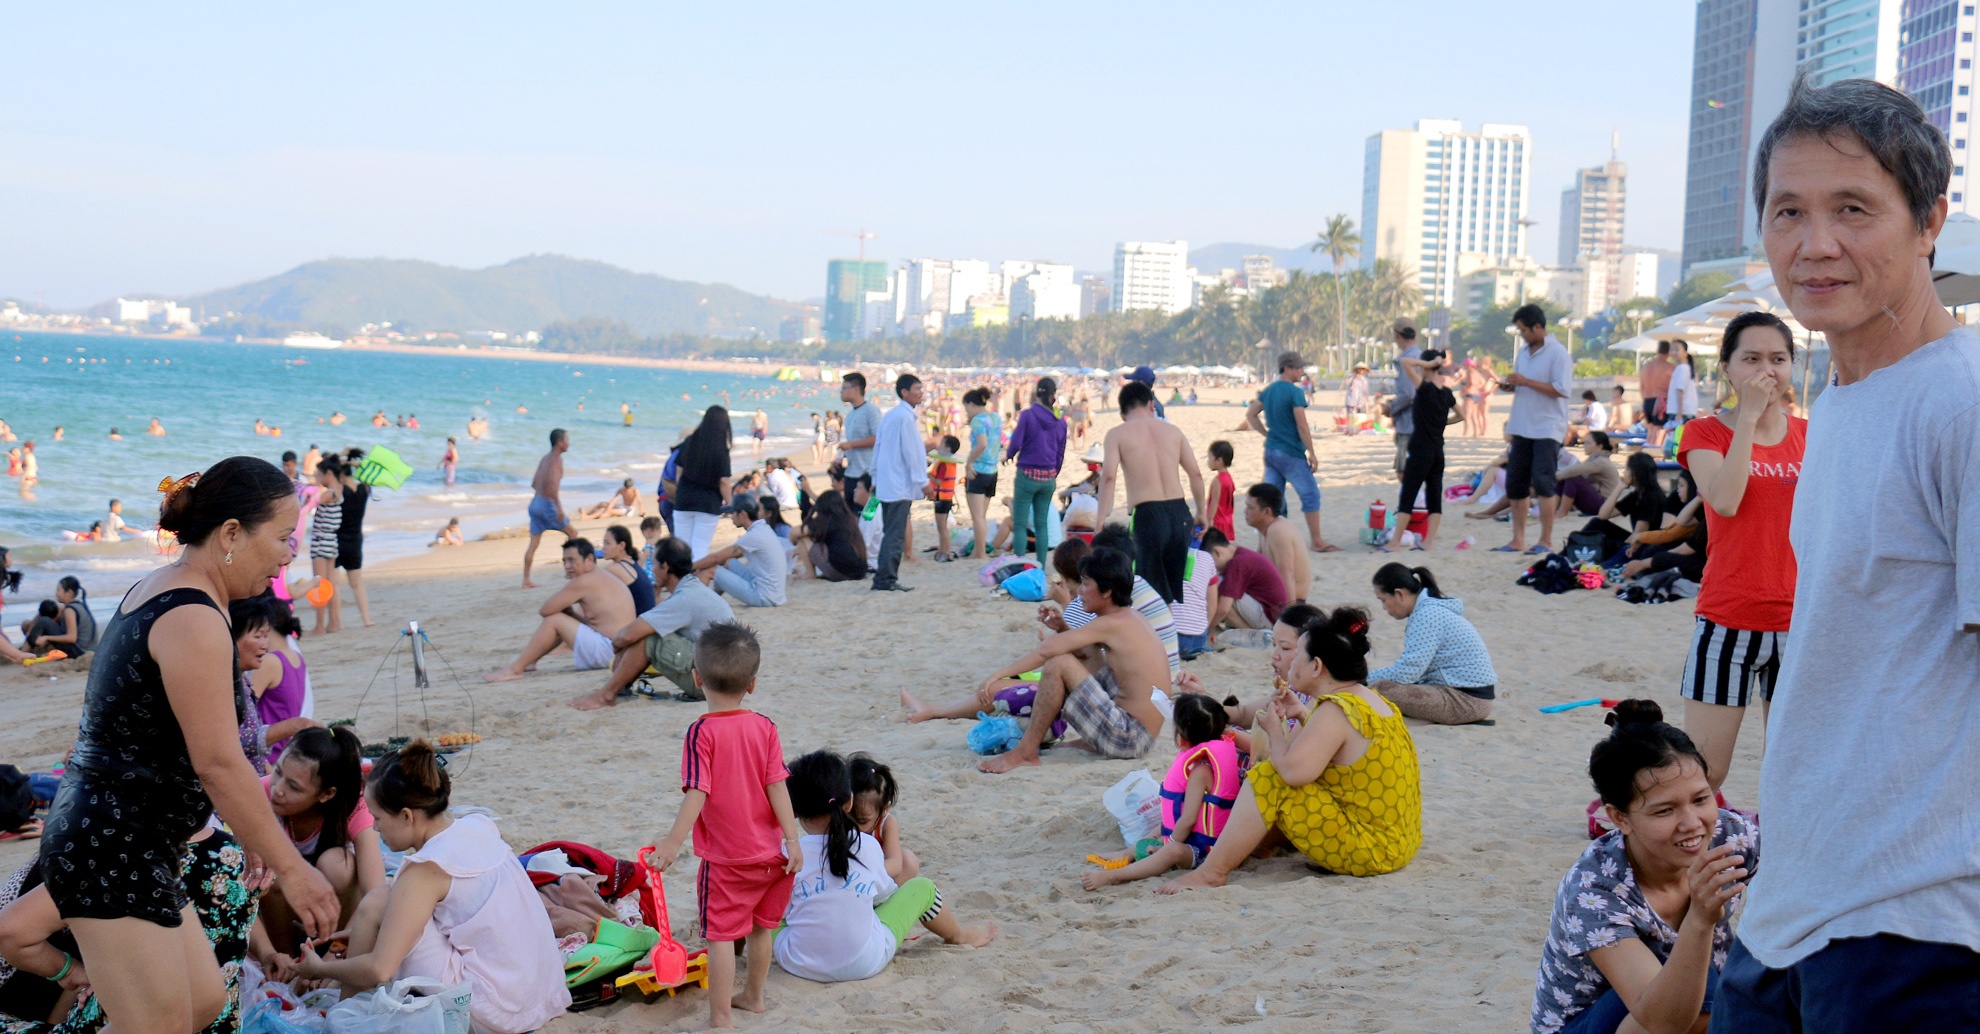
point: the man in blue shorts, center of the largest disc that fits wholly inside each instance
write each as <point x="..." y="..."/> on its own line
<point x="546" y="510"/>
<point x="1289" y="455"/>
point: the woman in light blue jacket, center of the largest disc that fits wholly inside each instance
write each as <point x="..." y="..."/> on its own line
<point x="1444" y="674"/>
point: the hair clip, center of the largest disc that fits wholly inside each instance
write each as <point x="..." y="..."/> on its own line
<point x="1358" y="627"/>
<point x="170" y="487"/>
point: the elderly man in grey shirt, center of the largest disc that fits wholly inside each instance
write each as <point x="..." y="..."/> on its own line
<point x="1400" y="413"/>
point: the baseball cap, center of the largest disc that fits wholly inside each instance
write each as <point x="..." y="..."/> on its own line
<point x="1144" y="374"/>
<point x="1403" y="323"/>
<point x="744" y="503"/>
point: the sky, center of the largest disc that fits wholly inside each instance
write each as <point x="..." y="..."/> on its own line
<point x="176" y="150"/>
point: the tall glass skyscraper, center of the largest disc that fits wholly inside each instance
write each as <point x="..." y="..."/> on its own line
<point x="1715" y="187"/>
<point x="846" y="284"/>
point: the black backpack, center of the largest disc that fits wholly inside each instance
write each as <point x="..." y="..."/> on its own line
<point x="16" y="799"/>
<point x="1551" y="576"/>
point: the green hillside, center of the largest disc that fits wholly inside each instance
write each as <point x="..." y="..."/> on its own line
<point x="340" y="295"/>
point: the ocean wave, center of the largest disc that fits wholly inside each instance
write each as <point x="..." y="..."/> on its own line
<point x="132" y="563"/>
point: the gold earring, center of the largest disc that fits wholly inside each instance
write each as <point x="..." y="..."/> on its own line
<point x="228" y="559"/>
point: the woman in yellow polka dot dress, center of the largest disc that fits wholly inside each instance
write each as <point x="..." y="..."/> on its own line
<point x="1343" y="785"/>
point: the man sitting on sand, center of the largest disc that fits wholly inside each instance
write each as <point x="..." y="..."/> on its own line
<point x="583" y="615"/>
<point x="663" y="638"/>
<point x="1278" y="539"/>
<point x="623" y="503"/>
<point x="754" y="568"/>
<point x="1109" y="702"/>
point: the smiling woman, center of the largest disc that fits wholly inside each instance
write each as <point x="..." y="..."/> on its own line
<point x="1642" y="922"/>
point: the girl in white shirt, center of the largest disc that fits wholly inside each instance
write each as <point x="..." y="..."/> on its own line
<point x="847" y="917"/>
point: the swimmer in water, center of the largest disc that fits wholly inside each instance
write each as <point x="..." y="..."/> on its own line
<point x="336" y="420"/>
<point x="114" y="436"/>
<point x="522" y="409"/>
<point x="156" y="430"/>
<point x="58" y="432"/>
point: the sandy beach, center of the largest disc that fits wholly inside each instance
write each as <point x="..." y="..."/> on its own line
<point x="1450" y="943"/>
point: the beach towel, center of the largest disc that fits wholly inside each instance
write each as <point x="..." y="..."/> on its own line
<point x="1551" y="576"/>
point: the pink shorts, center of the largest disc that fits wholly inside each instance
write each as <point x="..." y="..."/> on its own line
<point x="738" y="898"/>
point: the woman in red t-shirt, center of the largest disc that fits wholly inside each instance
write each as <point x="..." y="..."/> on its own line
<point x="1746" y="464"/>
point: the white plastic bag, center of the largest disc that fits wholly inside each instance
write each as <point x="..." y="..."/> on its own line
<point x="1136" y="803"/>
<point x="414" y="1005"/>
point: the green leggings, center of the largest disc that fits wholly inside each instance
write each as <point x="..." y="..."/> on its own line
<point x="914" y="901"/>
<point x="1031" y="506"/>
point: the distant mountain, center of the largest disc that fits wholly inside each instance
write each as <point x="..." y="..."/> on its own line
<point x="525" y="294"/>
<point x="1210" y="258"/>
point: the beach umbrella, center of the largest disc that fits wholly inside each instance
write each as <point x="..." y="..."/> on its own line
<point x="1956" y="264"/>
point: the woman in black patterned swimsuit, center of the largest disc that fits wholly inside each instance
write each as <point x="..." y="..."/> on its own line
<point x="158" y="749"/>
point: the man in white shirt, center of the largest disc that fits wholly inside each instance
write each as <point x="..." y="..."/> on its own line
<point x="753" y="568"/>
<point x="900" y="476"/>
<point x="1866" y="913"/>
<point x="1541" y="379"/>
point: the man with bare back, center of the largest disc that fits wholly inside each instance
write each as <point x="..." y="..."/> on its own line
<point x="546" y="510"/>
<point x="1110" y="702"/>
<point x="584" y="615"/>
<point x="1149" y="450"/>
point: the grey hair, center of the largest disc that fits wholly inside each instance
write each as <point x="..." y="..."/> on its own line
<point x="1890" y="125"/>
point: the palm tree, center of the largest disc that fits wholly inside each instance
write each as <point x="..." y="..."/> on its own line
<point x="1341" y="243"/>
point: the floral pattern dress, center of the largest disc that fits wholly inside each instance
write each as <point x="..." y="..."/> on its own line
<point x="215" y="874"/>
<point x="1599" y="904"/>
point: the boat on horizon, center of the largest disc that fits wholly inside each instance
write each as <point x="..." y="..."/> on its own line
<point x="311" y="340"/>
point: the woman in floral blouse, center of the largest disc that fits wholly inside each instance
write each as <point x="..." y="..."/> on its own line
<point x="1642" y="922"/>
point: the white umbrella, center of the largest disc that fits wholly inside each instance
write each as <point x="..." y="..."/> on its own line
<point x="1956" y="266"/>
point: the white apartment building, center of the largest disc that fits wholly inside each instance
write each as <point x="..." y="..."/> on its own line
<point x="143" y="310"/>
<point x="967" y="279"/>
<point x="1152" y="275"/>
<point x="1433" y="194"/>
<point x="1042" y="290"/>
<point x="1592" y="210"/>
<point x="1638" y="276"/>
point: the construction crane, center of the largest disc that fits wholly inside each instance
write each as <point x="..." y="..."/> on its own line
<point x="863" y="238"/>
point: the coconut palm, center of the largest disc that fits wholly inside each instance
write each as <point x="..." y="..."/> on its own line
<point x="1341" y="243"/>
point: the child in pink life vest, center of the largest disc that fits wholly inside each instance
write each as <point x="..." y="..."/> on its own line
<point x="1197" y="794"/>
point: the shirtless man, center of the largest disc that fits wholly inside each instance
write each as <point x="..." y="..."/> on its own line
<point x="1278" y="539"/>
<point x="624" y="502"/>
<point x="546" y="511"/>
<point x="583" y="615"/>
<point x="156" y="430"/>
<point x="1149" y="451"/>
<point x="1109" y="702"/>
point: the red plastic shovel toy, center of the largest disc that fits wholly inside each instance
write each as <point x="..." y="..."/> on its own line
<point x="669" y="959"/>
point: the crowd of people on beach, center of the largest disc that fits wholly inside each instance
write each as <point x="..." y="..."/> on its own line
<point x="1846" y="525"/>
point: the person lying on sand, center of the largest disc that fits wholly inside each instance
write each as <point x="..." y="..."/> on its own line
<point x="624" y="502"/>
<point x="583" y="615"/>
<point x="1107" y="701"/>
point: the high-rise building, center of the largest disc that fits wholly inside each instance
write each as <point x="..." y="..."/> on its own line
<point x="1433" y="194"/>
<point x="1152" y="275"/>
<point x="1639" y="274"/>
<point x="1592" y="230"/>
<point x="1045" y="291"/>
<point x="1745" y="57"/>
<point x="846" y="284"/>
<point x="967" y="279"/>
<point x="1715" y="188"/>
<point x="1095" y="296"/>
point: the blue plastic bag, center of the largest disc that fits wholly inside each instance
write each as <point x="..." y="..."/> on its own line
<point x="265" y="1017"/>
<point x="1028" y="585"/>
<point x="994" y="734"/>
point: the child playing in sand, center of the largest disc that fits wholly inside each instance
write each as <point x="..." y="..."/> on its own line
<point x="942" y="475"/>
<point x="874" y="791"/>
<point x="1222" y="503"/>
<point x="449" y="535"/>
<point x="1197" y="795"/>
<point x="847" y="916"/>
<point x="733" y="774"/>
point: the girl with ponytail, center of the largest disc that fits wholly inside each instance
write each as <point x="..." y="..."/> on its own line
<point x="317" y="791"/>
<point x="460" y="907"/>
<point x="847" y="917"/>
<point x="1341" y="782"/>
<point x="1445" y="674"/>
<point x="1642" y="922"/>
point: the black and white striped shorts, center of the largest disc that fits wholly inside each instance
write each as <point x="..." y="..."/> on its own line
<point x="1725" y="664"/>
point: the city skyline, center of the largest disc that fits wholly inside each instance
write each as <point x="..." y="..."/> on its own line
<point x="199" y="151"/>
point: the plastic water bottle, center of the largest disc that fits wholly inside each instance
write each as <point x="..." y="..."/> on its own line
<point x="1466" y="542"/>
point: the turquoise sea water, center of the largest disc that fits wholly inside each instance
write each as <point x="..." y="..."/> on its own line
<point x="208" y="396"/>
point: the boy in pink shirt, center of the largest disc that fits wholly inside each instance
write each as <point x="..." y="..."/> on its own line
<point x="732" y="770"/>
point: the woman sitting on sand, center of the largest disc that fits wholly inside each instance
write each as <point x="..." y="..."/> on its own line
<point x="1642" y="921"/>
<point x="832" y="545"/>
<point x="1638" y="500"/>
<point x="459" y="909"/>
<point x="1444" y="675"/>
<point x="317" y="791"/>
<point x="1342" y="785"/>
<point x="77" y="635"/>
<point x="622" y="561"/>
